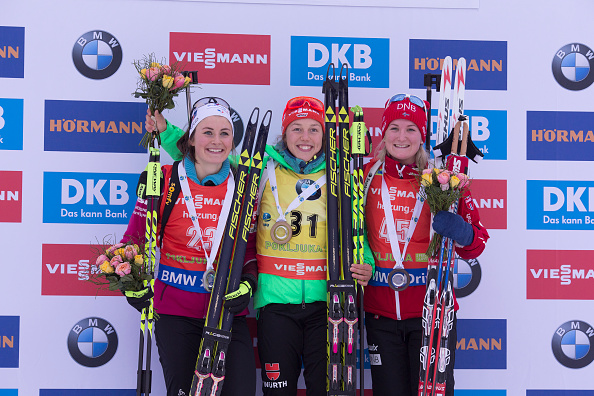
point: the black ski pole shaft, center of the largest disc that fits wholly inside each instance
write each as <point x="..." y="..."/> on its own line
<point x="350" y="313"/>
<point x="210" y="334"/>
<point x="335" y="314"/>
<point x="152" y="189"/>
<point x="430" y="80"/>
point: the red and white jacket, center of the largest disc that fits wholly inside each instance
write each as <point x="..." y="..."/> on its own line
<point x="380" y="299"/>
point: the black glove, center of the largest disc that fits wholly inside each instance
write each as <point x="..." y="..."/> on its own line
<point x="140" y="299"/>
<point x="238" y="300"/>
<point x="453" y="226"/>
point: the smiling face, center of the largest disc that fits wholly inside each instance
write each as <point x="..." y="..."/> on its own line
<point x="402" y="140"/>
<point x="304" y="138"/>
<point x="212" y="140"/>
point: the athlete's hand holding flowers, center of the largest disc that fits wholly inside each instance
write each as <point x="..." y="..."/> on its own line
<point x="158" y="84"/>
<point x="442" y="188"/>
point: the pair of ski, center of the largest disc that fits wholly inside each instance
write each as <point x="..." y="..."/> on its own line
<point x="438" y="306"/>
<point x="149" y="187"/>
<point x="210" y="367"/>
<point x="344" y="237"/>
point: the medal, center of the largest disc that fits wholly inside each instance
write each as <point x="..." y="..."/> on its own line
<point x="398" y="279"/>
<point x="208" y="279"/>
<point x="281" y="232"/>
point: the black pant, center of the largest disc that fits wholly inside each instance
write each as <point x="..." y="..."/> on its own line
<point x="394" y="351"/>
<point x="178" y="341"/>
<point x="290" y="335"/>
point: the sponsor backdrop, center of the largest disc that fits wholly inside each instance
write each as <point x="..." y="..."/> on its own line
<point x="69" y="160"/>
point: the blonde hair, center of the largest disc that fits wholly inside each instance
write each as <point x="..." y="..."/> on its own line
<point x="421" y="157"/>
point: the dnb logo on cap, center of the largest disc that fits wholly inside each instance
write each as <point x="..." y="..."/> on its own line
<point x="303" y="184"/>
<point x="92" y="342"/>
<point x="573" y="66"/>
<point x="467" y="276"/>
<point x="97" y="54"/>
<point x="572" y="344"/>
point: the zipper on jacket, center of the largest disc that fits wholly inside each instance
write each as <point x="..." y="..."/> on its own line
<point x="397" y="306"/>
<point x="302" y="294"/>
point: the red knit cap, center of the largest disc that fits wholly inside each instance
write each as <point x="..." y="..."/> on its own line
<point x="303" y="107"/>
<point x="405" y="110"/>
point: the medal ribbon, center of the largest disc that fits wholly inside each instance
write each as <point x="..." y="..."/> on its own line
<point x="216" y="240"/>
<point x="389" y="215"/>
<point x="306" y="193"/>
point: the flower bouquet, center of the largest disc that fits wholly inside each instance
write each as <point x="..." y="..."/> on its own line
<point x="158" y="84"/>
<point x="442" y="188"/>
<point x="121" y="268"/>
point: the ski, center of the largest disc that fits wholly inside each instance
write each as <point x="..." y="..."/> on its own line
<point x="358" y="134"/>
<point x="149" y="187"/>
<point x="202" y="381"/>
<point x="443" y="109"/>
<point x="243" y="230"/>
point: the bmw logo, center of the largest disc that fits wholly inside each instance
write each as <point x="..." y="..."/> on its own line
<point x="97" y="54"/>
<point x="302" y="184"/>
<point x="467" y="276"/>
<point x="573" y="66"/>
<point x="92" y="342"/>
<point x="572" y="344"/>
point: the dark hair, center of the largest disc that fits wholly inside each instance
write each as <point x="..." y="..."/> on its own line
<point x="183" y="145"/>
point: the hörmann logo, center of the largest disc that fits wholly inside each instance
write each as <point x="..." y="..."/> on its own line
<point x="9" y="341"/>
<point x="66" y="270"/>
<point x="559" y="135"/>
<point x="11" y="124"/>
<point x="560" y="205"/>
<point x="91" y="198"/>
<point x="223" y="58"/>
<point x="560" y="274"/>
<point x="482" y="344"/>
<point x="486" y="61"/>
<point x="573" y="66"/>
<point x="11" y="190"/>
<point x="368" y="60"/>
<point x="110" y="127"/>
<point x="12" y="51"/>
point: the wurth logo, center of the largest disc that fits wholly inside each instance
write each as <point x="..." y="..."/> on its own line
<point x="223" y="58"/>
<point x="272" y="371"/>
<point x="11" y="187"/>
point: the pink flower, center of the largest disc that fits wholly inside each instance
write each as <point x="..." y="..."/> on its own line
<point x="115" y="247"/>
<point x="123" y="269"/>
<point x="166" y="69"/>
<point x="445" y="187"/>
<point x="101" y="259"/>
<point x="117" y="260"/>
<point x="427" y="171"/>
<point x="443" y="178"/>
<point x="130" y="252"/>
<point x="464" y="182"/>
<point x="178" y="82"/>
<point x="153" y="73"/>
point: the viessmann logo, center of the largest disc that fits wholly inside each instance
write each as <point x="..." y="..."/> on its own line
<point x="560" y="274"/>
<point x="486" y="61"/>
<point x="66" y="270"/>
<point x="91" y="198"/>
<point x="560" y="205"/>
<point x="223" y="58"/>
<point x="368" y="60"/>
<point x="559" y="135"/>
